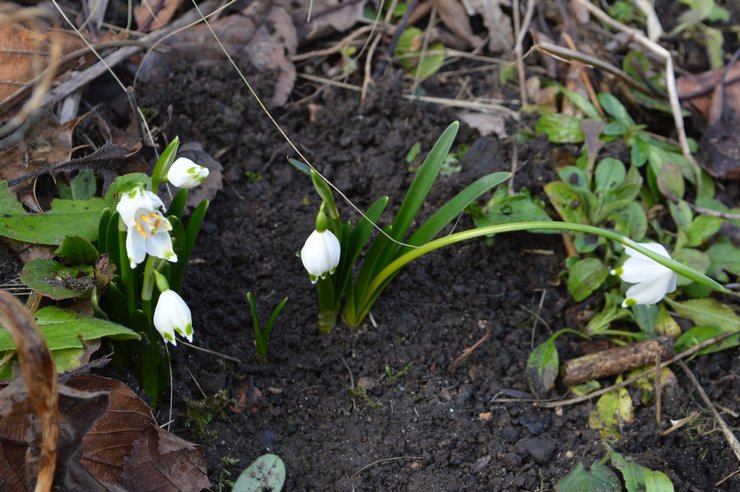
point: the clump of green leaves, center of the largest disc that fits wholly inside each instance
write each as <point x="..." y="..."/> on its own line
<point x="603" y="478"/>
<point x="200" y="413"/>
<point x="262" y="334"/>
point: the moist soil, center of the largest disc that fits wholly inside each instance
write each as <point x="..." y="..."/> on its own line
<point x="381" y="407"/>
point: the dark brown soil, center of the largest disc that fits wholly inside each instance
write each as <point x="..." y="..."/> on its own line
<point x="433" y="428"/>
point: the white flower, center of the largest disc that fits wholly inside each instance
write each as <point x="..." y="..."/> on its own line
<point x="652" y="280"/>
<point x="148" y="229"/>
<point x="320" y="254"/>
<point x="184" y="173"/>
<point x="173" y="315"/>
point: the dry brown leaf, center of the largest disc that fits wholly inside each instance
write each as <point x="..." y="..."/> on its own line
<point x="327" y="16"/>
<point x="486" y="123"/>
<point x="707" y="84"/>
<point x="45" y="144"/>
<point x="262" y="31"/>
<point x="456" y="19"/>
<point x="24" y="52"/>
<point x="500" y="32"/>
<point x="155" y="14"/>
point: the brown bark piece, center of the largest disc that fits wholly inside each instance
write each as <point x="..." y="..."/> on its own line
<point x="615" y="360"/>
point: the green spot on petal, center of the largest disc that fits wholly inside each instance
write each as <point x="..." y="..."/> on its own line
<point x="630" y="302"/>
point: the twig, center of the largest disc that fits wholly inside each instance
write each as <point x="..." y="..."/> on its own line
<point x="212" y="352"/>
<point x="337" y="48"/>
<point x="627" y="382"/>
<point x="731" y="439"/>
<point x="520" y="32"/>
<point x="384" y="460"/>
<point x="424" y="47"/>
<point x="468" y="351"/>
<point x="658" y="390"/>
<point x="705" y="211"/>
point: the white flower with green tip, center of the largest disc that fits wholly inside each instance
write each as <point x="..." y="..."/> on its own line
<point x="185" y="173"/>
<point x="147" y="229"/>
<point x="172" y="316"/>
<point x="320" y="255"/>
<point x="652" y="281"/>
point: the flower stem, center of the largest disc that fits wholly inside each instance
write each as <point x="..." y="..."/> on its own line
<point x="379" y="282"/>
<point x="127" y="275"/>
<point x="327" y="305"/>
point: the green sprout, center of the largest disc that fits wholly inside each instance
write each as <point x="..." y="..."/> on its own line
<point x="262" y="335"/>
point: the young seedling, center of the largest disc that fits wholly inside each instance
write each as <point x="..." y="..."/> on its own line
<point x="262" y="335"/>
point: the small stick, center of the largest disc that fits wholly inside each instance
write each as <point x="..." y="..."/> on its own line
<point x="615" y="360"/>
<point x="627" y="382"/>
<point x="384" y="460"/>
<point x="658" y="390"/>
<point x="468" y="351"/>
<point x="521" y="32"/>
<point x="731" y="439"/>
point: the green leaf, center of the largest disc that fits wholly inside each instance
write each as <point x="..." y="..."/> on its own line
<point x="681" y="213"/>
<point x="631" y="221"/>
<point x="124" y="184"/>
<point x="615" y="108"/>
<point x="560" y="128"/>
<point x="700" y="334"/>
<point x="503" y="208"/>
<point x="638" y="478"/>
<point x="574" y="178"/>
<point x="65" y="218"/>
<point x="582" y="103"/>
<point x="694" y="258"/>
<point x="567" y="202"/>
<point x="639" y="151"/>
<point x="64" y="329"/>
<point x="82" y="186"/>
<point x="599" y="478"/>
<point x="725" y="256"/>
<point x="670" y="180"/>
<point x="418" y="63"/>
<point x="585" y="276"/>
<point x="56" y="281"/>
<point x="702" y="228"/>
<point x="159" y="174"/>
<point x="177" y="205"/>
<point x="453" y="208"/>
<point x="543" y="367"/>
<point x="77" y="251"/>
<point x="613" y="410"/>
<point x="609" y="174"/>
<point x="266" y="473"/>
<point x="629" y="188"/>
<point x="707" y="312"/>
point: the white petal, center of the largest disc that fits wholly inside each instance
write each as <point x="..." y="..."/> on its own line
<point x="172" y="315"/>
<point x="159" y="244"/>
<point x="637" y="270"/>
<point x="135" y="246"/>
<point x="128" y="205"/>
<point x="650" y="292"/>
<point x="320" y="254"/>
<point x="185" y="173"/>
<point x="654" y="247"/>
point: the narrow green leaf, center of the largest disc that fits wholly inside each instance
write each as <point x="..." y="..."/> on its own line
<point x="159" y="174"/>
<point x="453" y="208"/>
<point x="707" y="312"/>
<point x="615" y="108"/>
<point x="177" y="205"/>
<point x="583" y="104"/>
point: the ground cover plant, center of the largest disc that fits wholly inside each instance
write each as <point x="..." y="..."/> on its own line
<point x="597" y="351"/>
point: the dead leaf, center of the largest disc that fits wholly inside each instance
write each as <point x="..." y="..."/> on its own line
<point x="486" y="123"/>
<point x="155" y="14"/>
<point x="262" y="31"/>
<point x="327" y="17"/>
<point x="456" y="19"/>
<point x="500" y="32"/>
<point x="208" y="189"/>
<point x="249" y="399"/>
<point x="700" y="90"/>
<point x="24" y="53"/>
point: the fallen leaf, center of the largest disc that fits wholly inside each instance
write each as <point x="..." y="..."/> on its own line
<point x="327" y="17"/>
<point x="500" y="32"/>
<point x="486" y="123"/>
<point x="24" y="52"/>
<point x="456" y="19"/>
<point x="155" y="14"/>
<point x="701" y="90"/>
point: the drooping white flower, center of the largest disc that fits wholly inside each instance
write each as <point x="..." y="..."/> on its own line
<point x="172" y="316"/>
<point x="185" y="173"/>
<point x="320" y="255"/>
<point x="148" y="230"/>
<point x="652" y="281"/>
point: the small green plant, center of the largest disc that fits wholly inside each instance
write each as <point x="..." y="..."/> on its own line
<point x="601" y="477"/>
<point x="331" y="251"/>
<point x="393" y="376"/>
<point x="262" y="335"/>
<point x="200" y="413"/>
